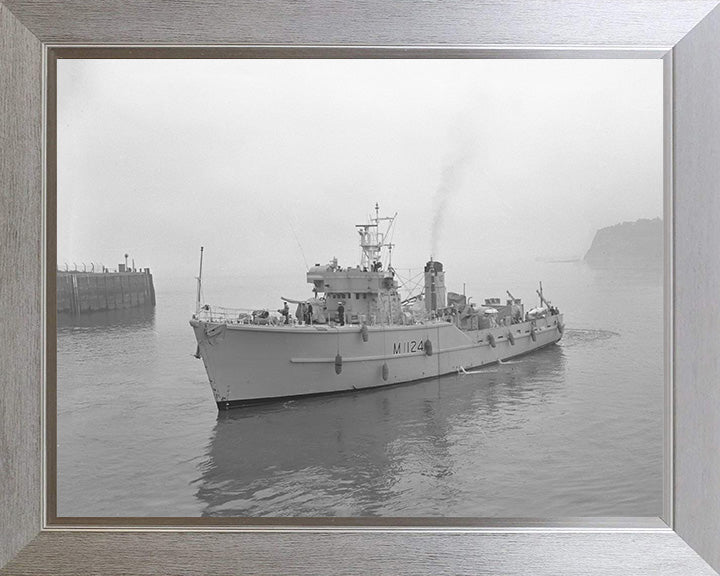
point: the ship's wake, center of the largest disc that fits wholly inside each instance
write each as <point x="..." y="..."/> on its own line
<point x="489" y="368"/>
<point x="581" y="337"/>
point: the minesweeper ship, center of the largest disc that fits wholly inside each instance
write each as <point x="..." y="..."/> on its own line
<point x="356" y="331"/>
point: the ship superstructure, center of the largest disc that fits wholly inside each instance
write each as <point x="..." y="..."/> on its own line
<point x="356" y="331"/>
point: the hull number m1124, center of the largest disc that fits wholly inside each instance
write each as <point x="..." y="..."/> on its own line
<point x="408" y="347"/>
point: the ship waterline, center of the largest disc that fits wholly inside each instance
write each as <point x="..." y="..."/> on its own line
<point x="248" y="364"/>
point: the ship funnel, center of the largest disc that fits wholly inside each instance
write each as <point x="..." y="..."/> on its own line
<point x="434" y="286"/>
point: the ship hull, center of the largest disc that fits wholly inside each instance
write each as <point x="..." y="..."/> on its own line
<point x="248" y="364"/>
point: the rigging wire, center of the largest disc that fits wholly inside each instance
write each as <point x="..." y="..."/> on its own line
<point x="411" y="283"/>
<point x="292" y="228"/>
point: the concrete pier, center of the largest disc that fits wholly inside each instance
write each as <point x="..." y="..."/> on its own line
<point x="79" y="292"/>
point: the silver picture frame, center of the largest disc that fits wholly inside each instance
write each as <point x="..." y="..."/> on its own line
<point x="686" y="35"/>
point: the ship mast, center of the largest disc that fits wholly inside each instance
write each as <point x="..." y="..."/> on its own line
<point x="543" y="300"/>
<point x="372" y="240"/>
<point x="199" y="283"/>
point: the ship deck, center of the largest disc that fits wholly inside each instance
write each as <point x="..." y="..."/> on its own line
<point x="315" y="327"/>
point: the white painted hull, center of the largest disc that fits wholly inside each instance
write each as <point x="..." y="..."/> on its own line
<point x="249" y="363"/>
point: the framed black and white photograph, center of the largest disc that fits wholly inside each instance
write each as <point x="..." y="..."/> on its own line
<point x="423" y="287"/>
<point x="389" y="300"/>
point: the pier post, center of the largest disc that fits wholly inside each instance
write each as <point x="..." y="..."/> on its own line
<point x="74" y="298"/>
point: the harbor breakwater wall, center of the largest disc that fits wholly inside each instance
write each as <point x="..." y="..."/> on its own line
<point x="91" y="291"/>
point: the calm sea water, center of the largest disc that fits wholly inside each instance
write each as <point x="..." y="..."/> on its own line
<point x="572" y="430"/>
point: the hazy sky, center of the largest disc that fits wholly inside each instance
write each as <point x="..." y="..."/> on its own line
<point x="270" y="163"/>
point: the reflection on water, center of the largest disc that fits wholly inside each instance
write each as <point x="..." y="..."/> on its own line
<point x="125" y="318"/>
<point x="373" y="452"/>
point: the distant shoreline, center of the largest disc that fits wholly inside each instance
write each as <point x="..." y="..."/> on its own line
<point x="638" y="243"/>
